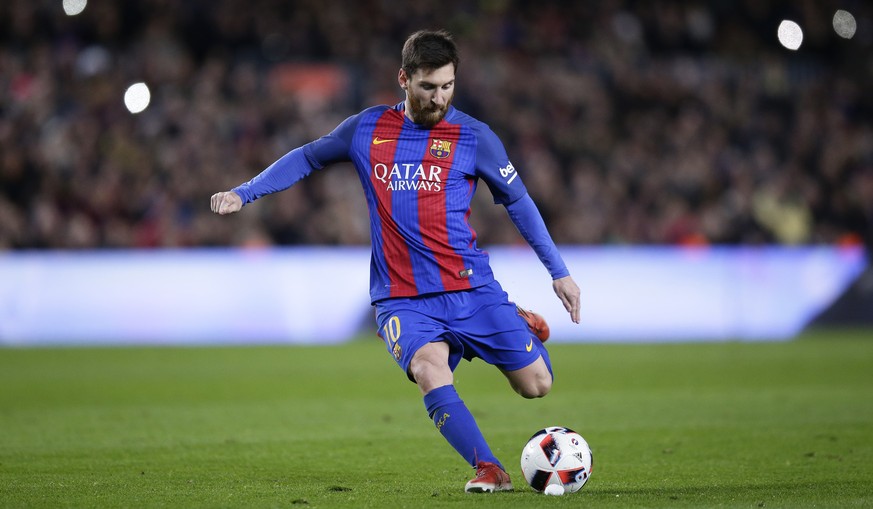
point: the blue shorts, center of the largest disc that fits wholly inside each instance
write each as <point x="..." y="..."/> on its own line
<point x="480" y="322"/>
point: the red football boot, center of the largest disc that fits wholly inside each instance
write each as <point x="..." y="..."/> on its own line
<point x="489" y="479"/>
<point x="536" y="323"/>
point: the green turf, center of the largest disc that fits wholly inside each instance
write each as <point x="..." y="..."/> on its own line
<point x="676" y="425"/>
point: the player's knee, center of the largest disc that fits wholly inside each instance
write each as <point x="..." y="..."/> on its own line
<point x="535" y="388"/>
<point x="430" y="370"/>
<point x="423" y="369"/>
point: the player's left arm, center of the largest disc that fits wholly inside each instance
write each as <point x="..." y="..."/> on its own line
<point x="502" y="179"/>
<point x="530" y="224"/>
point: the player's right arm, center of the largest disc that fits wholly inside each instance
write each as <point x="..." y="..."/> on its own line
<point x="289" y="169"/>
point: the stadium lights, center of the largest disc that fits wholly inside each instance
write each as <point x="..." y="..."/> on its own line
<point x="74" y="7"/>
<point x="844" y="24"/>
<point x="137" y="97"/>
<point x="790" y="35"/>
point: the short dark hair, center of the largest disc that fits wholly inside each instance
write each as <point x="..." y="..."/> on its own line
<point x="428" y="50"/>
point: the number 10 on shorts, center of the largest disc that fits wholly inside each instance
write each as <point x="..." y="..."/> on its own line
<point x="391" y="334"/>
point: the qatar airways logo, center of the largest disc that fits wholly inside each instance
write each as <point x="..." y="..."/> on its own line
<point x="409" y="177"/>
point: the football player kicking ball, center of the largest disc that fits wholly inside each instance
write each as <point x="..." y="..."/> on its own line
<point x="435" y="296"/>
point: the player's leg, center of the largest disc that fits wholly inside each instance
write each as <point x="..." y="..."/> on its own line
<point x="531" y="381"/>
<point x="430" y="369"/>
<point x="499" y="333"/>
<point x="428" y="355"/>
<point x="534" y="380"/>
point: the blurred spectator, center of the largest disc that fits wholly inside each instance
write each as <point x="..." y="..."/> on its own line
<point x="630" y="122"/>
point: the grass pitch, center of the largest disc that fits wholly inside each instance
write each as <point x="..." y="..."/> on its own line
<point x="675" y="425"/>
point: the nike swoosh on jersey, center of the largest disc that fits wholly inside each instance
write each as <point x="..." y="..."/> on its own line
<point x="378" y="141"/>
<point x="529" y="346"/>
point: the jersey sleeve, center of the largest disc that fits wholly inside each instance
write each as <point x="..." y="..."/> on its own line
<point x="300" y="162"/>
<point x="494" y="167"/>
<point x="530" y="224"/>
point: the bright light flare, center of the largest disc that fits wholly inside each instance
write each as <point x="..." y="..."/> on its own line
<point x="74" y="7"/>
<point x="137" y="97"/>
<point x="845" y="24"/>
<point x="790" y="35"/>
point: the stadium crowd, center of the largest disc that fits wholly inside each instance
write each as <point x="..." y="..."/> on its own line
<point x="630" y="122"/>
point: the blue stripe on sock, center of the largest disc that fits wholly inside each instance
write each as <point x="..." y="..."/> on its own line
<point x="457" y="425"/>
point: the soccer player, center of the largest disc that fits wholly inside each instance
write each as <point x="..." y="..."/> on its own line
<point x="435" y="296"/>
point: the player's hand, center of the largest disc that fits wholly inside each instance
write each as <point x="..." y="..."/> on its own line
<point x="569" y="293"/>
<point x="225" y="202"/>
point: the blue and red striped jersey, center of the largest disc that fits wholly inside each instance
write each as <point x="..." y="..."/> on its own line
<point x="418" y="184"/>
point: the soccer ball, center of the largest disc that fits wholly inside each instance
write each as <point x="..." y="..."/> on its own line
<point x="557" y="456"/>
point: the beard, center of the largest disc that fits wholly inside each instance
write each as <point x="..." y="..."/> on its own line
<point x="427" y="115"/>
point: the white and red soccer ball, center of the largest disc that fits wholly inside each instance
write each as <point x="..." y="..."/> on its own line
<point x="556" y="456"/>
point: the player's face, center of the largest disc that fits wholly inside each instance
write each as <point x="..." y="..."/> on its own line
<point x="428" y="94"/>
